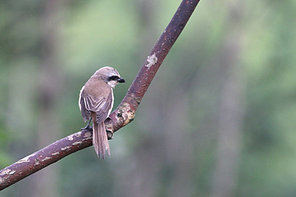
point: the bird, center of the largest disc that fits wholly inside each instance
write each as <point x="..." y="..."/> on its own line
<point x="95" y="103"/>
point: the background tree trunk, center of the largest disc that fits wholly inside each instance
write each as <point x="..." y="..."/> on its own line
<point x="231" y="110"/>
<point x="143" y="174"/>
<point x="45" y="182"/>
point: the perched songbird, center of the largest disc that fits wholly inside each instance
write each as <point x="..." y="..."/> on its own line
<point x="95" y="103"/>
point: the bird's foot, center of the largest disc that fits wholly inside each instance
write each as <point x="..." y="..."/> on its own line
<point x="109" y="134"/>
<point x="87" y="127"/>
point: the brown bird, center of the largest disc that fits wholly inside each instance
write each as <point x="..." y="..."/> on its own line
<point x="95" y="103"/>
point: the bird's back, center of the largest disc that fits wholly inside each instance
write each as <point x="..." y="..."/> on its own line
<point x="97" y="89"/>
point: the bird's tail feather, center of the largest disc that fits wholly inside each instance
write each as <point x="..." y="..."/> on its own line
<point x="100" y="139"/>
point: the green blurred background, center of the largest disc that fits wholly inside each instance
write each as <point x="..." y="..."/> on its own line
<point x="217" y="121"/>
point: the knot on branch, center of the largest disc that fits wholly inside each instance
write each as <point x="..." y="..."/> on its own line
<point x="125" y="113"/>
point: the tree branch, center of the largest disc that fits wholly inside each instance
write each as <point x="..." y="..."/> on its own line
<point x="122" y="115"/>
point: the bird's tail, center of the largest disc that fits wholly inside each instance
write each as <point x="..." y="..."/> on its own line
<point x="100" y="139"/>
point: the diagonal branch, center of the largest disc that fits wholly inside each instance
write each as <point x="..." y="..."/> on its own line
<point x="122" y="115"/>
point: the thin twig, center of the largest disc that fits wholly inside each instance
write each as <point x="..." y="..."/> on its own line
<point x="122" y="115"/>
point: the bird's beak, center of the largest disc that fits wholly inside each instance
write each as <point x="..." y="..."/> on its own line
<point x="120" y="80"/>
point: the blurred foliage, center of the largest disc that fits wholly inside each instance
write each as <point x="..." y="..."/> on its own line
<point x="173" y="140"/>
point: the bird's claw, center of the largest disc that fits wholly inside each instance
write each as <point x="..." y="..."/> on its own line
<point x="88" y="128"/>
<point x="109" y="134"/>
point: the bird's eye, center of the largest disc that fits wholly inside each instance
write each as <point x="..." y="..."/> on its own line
<point x="113" y="78"/>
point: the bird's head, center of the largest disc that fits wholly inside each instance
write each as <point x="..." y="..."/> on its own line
<point x="109" y="75"/>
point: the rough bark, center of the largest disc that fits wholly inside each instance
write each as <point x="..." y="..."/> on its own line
<point x="122" y="115"/>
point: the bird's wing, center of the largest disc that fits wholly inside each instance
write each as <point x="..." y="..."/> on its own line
<point x="101" y="106"/>
<point x="84" y="112"/>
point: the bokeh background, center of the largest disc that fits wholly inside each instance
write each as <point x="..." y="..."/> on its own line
<point x="217" y="121"/>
